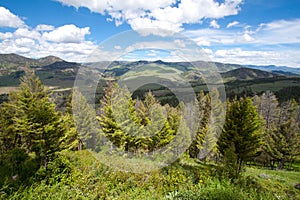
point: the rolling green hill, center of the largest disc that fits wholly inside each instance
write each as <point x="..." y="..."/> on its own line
<point x="10" y="63"/>
<point x="238" y="79"/>
<point x="248" y="74"/>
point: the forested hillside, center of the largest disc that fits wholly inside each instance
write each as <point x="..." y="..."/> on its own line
<point x="239" y="80"/>
<point x="50" y="154"/>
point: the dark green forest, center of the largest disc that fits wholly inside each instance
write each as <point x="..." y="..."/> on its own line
<point x="47" y="153"/>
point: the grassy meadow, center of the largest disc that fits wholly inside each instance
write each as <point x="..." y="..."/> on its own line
<point x="78" y="175"/>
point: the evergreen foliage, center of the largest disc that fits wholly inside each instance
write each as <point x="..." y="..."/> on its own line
<point x="204" y="115"/>
<point x="241" y="129"/>
<point x="284" y="143"/>
<point x="281" y="130"/>
<point x="30" y="129"/>
<point x="33" y="136"/>
<point x="135" y="125"/>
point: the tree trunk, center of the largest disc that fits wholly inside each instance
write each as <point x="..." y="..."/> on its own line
<point x="281" y="164"/>
<point x="80" y="145"/>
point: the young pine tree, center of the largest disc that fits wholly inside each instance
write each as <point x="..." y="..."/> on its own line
<point x="83" y="130"/>
<point x="110" y="127"/>
<point x="204" y="114"/>
<point x="241" y="132"/>
<point x="32" y="122"/>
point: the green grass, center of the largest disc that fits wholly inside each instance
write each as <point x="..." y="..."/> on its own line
<point x="286" y="177"/>
<point x="79" y="175"/>
<point x="279" y="182"/>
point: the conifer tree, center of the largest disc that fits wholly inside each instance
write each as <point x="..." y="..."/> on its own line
<point x="216" y="121"/>
<point x="268" y="108"/>
<point x="284" y="142"/>
<point x="170" y="126"/>
<point x="84" y="117"/>
<point x="134" y="125"/>
<point x="211" y="114"/>
<point x="158" y="128"/>
<point x="83" y="130"/>
<point x="281" y="129"/>
<point x="204" y="113"/>
<point x="109" y="126"/>
<point x="241" y="129"/>
<point x="141" y="112"/>
<point x="32" y="123"/>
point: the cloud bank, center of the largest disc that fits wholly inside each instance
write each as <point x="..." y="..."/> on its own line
<point x="67" y="41"/>
<point x="8" y="19"/>
<point x="169" y="15"/>
<point x="276" y="42"/>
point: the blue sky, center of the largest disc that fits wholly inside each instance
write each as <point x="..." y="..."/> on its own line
<point x="258" y="32"/>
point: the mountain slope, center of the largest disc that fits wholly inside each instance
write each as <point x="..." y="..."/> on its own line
<point x="55" y="71"/>
<point x="52" y="70"/>
<point x="272" y="68"/>
<point x="14" y="58"/>
<point x="48" y="60"/>
<point x="247" y="74"/>
<point x="10" y="63"/>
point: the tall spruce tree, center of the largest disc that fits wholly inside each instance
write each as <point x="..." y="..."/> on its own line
<point x="204" y="114"/>
<point x="83" y="130"/>
<point x="85" y="120"/>
<point x="117" y="137"/>
<point x="240" y="132"/>
<point x="71" y="139"/>
<point x="167" y="133"/>
<point x="32" y="122"/>
<point x="214" y="125"/>
<point x="135" y="125"/>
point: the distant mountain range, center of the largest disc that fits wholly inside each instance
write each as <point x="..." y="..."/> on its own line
<point x="13" y="62"/>
<point x="51" y="70"/>
<point x="249" y="74"/>
<point x="56" y="72"/>
<point x="277" y="69"/>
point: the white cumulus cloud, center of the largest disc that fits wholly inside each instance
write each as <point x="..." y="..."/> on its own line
<point x="67" y="42"/>
<point x="44" y="27"/>
<point x="214" y="24"/>
<point x="232" y="24"/>
<point x="8" y="19"/>
<point x="151" y="17"/>
<point x="4" y="36"/>
<point x="27" y="33"/>
<point x="258" y="57"/>
<point x="67" y="34"/>
<point x="24" y="42"/>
